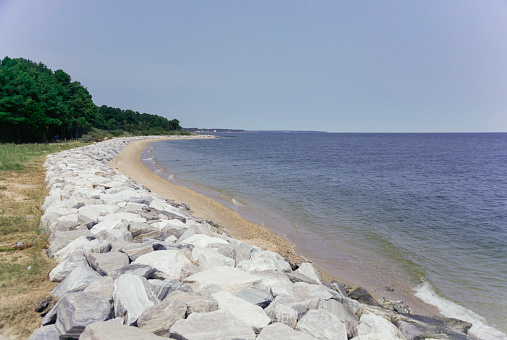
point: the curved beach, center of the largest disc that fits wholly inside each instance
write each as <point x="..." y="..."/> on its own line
<point x="129" y="162"/>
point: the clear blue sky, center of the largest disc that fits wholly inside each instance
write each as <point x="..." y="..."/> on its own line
<point x="339" y="66"/>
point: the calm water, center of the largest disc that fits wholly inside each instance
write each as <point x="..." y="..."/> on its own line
<point x="411" y="211"/>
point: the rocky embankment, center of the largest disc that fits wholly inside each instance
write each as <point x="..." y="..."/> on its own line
<point x="133" y="265"/>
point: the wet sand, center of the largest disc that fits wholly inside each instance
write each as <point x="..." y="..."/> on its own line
<point x="129" y="163"/>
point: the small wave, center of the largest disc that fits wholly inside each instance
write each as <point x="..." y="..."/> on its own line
<point x="452" y="310"/>
<point x="170" y="178"/>
<point x="148" y="159"/>
<point x="236" y="203"/>
<point x="158" y="171"/>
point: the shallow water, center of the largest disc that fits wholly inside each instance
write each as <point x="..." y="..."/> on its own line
<point x="402" y="210"/>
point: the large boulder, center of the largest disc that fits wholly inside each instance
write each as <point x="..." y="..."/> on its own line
<point x="220" y="324"/>
<point x="80" y="278"/>
<point x="169" y="262"/>
<point x="263" y="261"/>
<point x="161" y="288"/>
<point x="132" y="296"/>
<point x="309" y="271"/>
<point x="243" y="310"/>
<point x="372" y="324"/>
<point x="208" y="258"/>
<point x="195" y="303"/>
<point x="77" y="310"/>
<point x="256" y="296"/>
<point x="282" y="314"/>
<point x="115" y="329"/>
<point x="63" y="269"/>
<point x="278" y="331"/>
<point x="107" y="262"/>
<point x="321" y="324"/>
<point x="158" y="319"/>
<point x="230" y="279"/>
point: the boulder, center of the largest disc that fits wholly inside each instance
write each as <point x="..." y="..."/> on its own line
<point x="360" y="294"/>
<point x="94" y="212"/>
<point x="308" y="270"/>
<point x="74" y="246"/>
<point x="256" y="296"/>
<point x="372" y="324"/>
<point x="135" y="269"/>
<point x="275" y="282"/>
<point x="202" y="241"/>
<point x="243" y="310"/>
<point x="282" y="314"/>
<point x="169" y="262"/>
<point x="296" y="277"/>
<point x="107" y="262"/>
<point x="115" y="329"/>
<point x="161" y="288"/>
<point x="77" y="310"/>
<point x="277" y="331"/>
<point x="220" y="324"/>
<point x="135" y="250"/>
<point x="132" y="296"/>
<point x="265" y="261"/>
<point x="230" y="279"/>
<point x="102" y="285"/>
<point x="109" y="224"/>
<point x="158" y="319"/>
<point x="321" y="324"/>
<point x="63" y="269"/>
<point x="129" y="217"/>
<point x="343" y="312"/>
<point x="78" y="279"/>
<point x="208" y="258"/>
<point x="224" y="249"/>
<point x="44" y="333"/>
<point x="195" y="303"/>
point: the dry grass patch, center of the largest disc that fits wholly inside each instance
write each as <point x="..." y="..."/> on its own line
<point x="24" y="267"/>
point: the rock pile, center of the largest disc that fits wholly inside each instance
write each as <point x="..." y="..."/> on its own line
<point x="135" y="266"/>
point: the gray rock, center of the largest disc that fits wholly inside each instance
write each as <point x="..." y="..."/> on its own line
<point x="158" y="319"/>
<point x="161" y="288"/>
<point x="256" y="296"/>
<point x="103" y="285"/>
<point x="63" y="269"/>
<point x="282" y="314"/>
<point x="343" y="312"/>
<point x="77" y="310"/>
<point x="360" y="294"/>
<point x="189" y="269"/>
<point x="435" y="326"/>
<point x="295" y="277"/>
<point x="115" y="329"/>
<point x="277" y="331"/>
<point x="44" y="333"/>
<point x="309" y="271"/>
<point x="323" y="325"/>
<point x="224" y="249"/>
<point x="107" y="262"/>
<point x="169" y="262"/>
<point x="243" y="310"/>
<point x="220" y="324"/>
<point x="132" y="296"/>
<point x="195" y="303"/>
<point x="133" y="251"/>
<point x="135" y="269"/>
<point x="139" y="228"/>
<point x="230" y="279"/>
<point x="78" y="279"/>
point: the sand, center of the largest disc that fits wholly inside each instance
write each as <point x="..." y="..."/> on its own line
<point x="129" y="163"/>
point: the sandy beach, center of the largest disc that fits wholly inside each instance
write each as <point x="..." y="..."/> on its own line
<point x="129" y="163"/>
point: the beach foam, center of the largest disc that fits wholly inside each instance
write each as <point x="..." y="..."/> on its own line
<point x="452" y="310"/>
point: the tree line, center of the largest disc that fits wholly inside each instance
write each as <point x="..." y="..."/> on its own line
<point x="39" y="105"/>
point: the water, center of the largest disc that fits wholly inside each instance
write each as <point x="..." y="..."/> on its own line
<point x="411" y="211"/>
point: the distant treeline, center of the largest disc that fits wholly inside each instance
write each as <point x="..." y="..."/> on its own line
<point x="37" y="104"/>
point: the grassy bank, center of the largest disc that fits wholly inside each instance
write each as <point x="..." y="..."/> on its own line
<point x="24" y="267"/>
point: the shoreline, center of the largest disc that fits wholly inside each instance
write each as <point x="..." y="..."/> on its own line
<point x="129" y="163"/>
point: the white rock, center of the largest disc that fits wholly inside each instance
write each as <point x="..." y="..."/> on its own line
<point x="132" y="296"/>
<point x="243" y="310"/>
<point x="275" y="282"/>
<point x="278" y="331"/>
<point x="94" y="212"/>
<point x="263" y="261"/>
<point x="109" y="224"/>
<point x="78" y="244"/>
<point x="309" y="271"/>
<point x="228" y="278"/>
<point x="380" y="328"/>
<point x="169" y="262"/>
<point x="123" y="216"/>
<point x="323" y="325"/>
<point x="209" y="258"/>
<point x="199" y="240"/>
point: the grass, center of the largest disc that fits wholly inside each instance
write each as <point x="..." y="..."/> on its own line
<point x="23" y="270"/>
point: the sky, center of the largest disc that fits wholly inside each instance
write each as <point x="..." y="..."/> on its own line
<point x="336" y="66"/>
